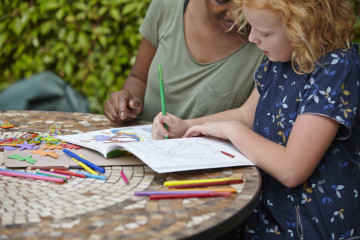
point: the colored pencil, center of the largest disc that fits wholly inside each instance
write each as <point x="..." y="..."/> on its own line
<point x="93" y="176"/>
<point x="10" y="170"/>
<point x="54" y="167"/>
<point x="190" y="195"/>
<point x="124" y="177"/>
<point x="90" y="164"/>
<point x="68" y="173"/>
<point x="57" y="174"/>
<point x="148" y="193"/>
<point x="171" y="183"/>
<point x="207" y="184"/>
<point x="162" y="94"/>
<point x="31" y="176"/>
<point x="86" y="167"/>
<point x="232" y="190"/>
<point x="227" y="154"/>
<point x="50" y="174"/>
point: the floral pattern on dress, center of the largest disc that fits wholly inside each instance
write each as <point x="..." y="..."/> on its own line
<point x="327" y="205"/>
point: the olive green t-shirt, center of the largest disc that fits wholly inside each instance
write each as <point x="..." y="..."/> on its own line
<point x="192" y="89"/>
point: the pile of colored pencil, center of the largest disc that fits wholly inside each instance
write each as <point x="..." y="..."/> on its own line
<point x="193" y="189"/>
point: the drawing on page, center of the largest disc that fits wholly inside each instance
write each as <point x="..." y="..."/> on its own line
<point x="117" y="136"/>
<point x="177" y="152"/>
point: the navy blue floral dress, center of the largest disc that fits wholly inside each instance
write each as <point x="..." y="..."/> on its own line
<point x="327" y="205"/>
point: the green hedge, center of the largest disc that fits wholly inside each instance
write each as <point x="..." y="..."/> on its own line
<point x="91" y="44"/>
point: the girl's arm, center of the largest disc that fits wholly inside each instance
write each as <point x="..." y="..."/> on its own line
<point x="309" y="139"/>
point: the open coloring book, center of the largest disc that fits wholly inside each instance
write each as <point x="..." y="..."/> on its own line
<point x="107" y="141"/>
<point x="170" y="155"/>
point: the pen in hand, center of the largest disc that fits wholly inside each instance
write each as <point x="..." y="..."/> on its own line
<point x="162" y="95"/>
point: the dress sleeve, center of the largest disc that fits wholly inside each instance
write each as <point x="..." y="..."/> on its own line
<point x="333" y="90"/>
<point x="261" y="74"/>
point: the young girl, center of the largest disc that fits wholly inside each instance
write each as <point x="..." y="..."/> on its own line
<point x="301" y="125"/>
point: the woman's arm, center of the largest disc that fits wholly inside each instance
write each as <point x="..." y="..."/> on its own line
<point x="127" y="104"/>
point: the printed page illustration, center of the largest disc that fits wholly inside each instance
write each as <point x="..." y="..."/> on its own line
<point x="187" y="154"/>
<point x="104" y="141"/>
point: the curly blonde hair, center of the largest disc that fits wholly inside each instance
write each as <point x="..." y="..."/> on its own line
<point x="314" y="27"/>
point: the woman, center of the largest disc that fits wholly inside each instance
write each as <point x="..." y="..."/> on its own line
<point x="207" y="66"/>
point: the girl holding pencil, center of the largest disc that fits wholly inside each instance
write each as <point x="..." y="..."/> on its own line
<point x="301" y="125"/>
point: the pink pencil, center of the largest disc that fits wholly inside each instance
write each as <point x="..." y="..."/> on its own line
<point x="32" y="176"/>
<point x="124" y="177"/>
<point x="190" y="195"/>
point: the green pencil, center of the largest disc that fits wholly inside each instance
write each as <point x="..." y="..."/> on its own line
<point x="50" y="174"/>
<point x="162" y="95"/>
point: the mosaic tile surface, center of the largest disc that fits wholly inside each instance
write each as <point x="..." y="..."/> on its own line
<point x="86" y="208"/>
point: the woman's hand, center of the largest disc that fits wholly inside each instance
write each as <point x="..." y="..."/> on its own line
<point x="176" y="126"/>
<point x="122" y="106"/>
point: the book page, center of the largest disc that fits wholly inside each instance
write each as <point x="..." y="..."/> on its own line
<point x="184" y="154"/>
<point x="104" y="141"/>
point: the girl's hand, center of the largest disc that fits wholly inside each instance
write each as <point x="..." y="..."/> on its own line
<point x="176" y="126"/>
<point x="213" y="128"/>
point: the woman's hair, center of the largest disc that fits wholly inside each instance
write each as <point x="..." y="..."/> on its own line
<point x="314" y="27"/>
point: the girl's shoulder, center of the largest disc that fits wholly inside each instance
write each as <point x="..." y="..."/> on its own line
<point x="347" y="56"/>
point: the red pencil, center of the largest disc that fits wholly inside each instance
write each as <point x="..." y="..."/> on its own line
<point x="227" y="154"/>
<point x="68" y="173"/>
<point x="190" y="195"/>
<point x="206" y="184"/>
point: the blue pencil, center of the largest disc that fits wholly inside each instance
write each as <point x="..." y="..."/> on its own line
<point x="92" y="175"/>
<point x="90" y="164"/>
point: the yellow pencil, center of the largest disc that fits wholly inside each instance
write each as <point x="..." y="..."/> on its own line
<point x="173" y="183"/>
<point x="84" y="166"/>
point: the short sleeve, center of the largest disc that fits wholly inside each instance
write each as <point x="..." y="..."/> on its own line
<point x="333" y="89"/>
<point x="150" y="26"/>
<point x="261" y="74"/>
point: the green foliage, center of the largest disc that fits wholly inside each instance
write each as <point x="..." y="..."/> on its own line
<point x="357" y="21"/>
<point x="91" y="44"/>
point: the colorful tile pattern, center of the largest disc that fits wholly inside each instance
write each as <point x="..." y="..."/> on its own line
<point x="86" y="208"/>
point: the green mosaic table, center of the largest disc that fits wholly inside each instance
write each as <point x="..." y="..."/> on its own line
<point x="86" y="208"/>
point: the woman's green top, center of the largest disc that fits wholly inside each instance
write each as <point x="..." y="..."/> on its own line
<point x="192" y="89"/>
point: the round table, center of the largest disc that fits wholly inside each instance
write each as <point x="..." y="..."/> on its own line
<point x="86" y="208"/>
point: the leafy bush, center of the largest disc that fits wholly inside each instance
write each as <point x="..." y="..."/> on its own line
<point x="357" y="23"/>
<point x="91" y="44"/>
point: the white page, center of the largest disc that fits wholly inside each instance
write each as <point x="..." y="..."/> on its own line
<point x="183" y="154"/>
